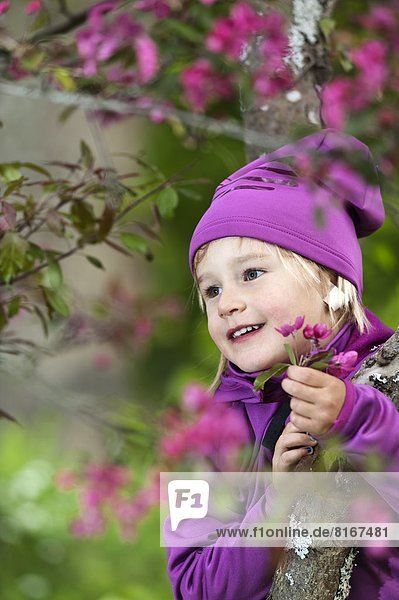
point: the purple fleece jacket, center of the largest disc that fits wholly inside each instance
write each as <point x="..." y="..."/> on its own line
<point x="368" y="422"/>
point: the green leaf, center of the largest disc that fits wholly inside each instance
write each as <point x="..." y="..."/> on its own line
<point x="275" y="371"/>
<point x="184" y="31"/>
<point x="32" y="58"/>
<point x="35" y="252"/>
<point x="291" y="353"/>
<point x="327" y="26"/>
<point x="13" y="257"/>
<point x="42" y="19"/>
<point x="14" y="306"/>
<point x="191" y="194"/>
<point x="83" y="217"/>
<point x="3" y="317"/>
<point x="66" y="113"/>
<point x="64" y="79"/>
<point x="322" y="355"/>
<point x="136" y="243"/>
<point x="37" y="168"/>
<point x="42" y="319"/>
<point x="106" y="222"/>
<point x="9" y="172"/>
<point x="345" y="62"/>
<point x="95" y="261"/>
<point x="167" y="200"/>
<point x="56" y="301"/>
<point x="320" y="365"/>
<point x="8" y="417"/>
<point x="54" y="271"/>
<point x="86" y="155"/>
<point x="13" y="186"/>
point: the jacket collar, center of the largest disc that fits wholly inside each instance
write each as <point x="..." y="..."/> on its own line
<point x="237" y="385"/>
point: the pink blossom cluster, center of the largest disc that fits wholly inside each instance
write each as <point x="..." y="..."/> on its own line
<point x="103" y="493"/>
<point x="212" y="431"/>
<point x="320" y="331"/>
<point x="335" y="174"/>
<point x="231" y="35"/>
<point x="33" y="7"/>
<point x="4" y="6"/>
<point x="345" y="95"/>
<point x="343" y="363"/>
<point x="202" y="85"/>
<point x="339" y="365"/>
<point x="108" y="32"/>
<point x="288" y="329"/>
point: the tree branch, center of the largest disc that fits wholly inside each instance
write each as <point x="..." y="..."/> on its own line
<point x="228" y="128"/>
<point x="39" y="267"/>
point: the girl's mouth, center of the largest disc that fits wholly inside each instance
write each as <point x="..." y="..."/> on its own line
<point x="245" y="332"/>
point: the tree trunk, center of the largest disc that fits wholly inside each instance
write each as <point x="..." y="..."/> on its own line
<point x="323" y="574"/>
<point x="310" y="61"/>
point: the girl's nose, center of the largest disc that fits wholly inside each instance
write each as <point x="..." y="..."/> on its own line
<point x="230" y="304"/>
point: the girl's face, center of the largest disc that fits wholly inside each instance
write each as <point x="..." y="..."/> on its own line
<point x="244" y="284"/>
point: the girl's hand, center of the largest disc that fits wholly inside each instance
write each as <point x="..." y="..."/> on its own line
<point x="291" y="447"/>
<point x="317" y="398"/>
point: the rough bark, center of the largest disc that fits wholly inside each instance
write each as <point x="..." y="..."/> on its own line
<point x="324" y="574"/>
<point x="310" y="61"/>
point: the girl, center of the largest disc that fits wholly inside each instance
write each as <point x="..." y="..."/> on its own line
<point x="259" y="259"/>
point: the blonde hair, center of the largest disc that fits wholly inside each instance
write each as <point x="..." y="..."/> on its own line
<point x="313" y="276"/>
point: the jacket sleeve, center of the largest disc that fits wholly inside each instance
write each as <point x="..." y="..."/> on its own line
<point x="368" y="422"/>
<point x="218" y="572"/>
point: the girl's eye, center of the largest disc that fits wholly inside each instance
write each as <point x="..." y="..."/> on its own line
<point x="251" y="274"/>
<point x="210" y="291"/>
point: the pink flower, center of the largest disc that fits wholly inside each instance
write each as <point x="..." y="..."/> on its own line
<point x="202" y="85"/>
<point x="159" y="8"/>
<point x="371" y="58"/>
<point x="91" y="523"/>
<point x="33" y="7"/>
<point x="319" y="331"/>
<point x="380" y="18"/>
<point x="195" y="398"/>
<point x="346" y="179"/>
<point x="269" y="83"/>
<point x="147" y="57"/>
<point x="4" y="6"/>
<point x="230" y="34"/>
<point x="217" y="434"/>
<point x="288" y="329"/>
<point x="336" y="98"/>
<point x="342" y="363"/>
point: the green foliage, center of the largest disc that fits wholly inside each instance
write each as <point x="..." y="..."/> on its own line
<point x="40" y="558"/>
<point x="13" y="257"/>
<point x="84" y="206"/>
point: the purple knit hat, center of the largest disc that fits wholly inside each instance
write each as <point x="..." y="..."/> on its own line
<point x="268" y="201"/>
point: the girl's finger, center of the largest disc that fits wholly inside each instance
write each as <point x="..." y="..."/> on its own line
<point x="296" y="440"/>
<point x="301" y="390"/>
<point x="308" y="376"/>
<point x="292" y="457"/>
<point x="301" y="408"/>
